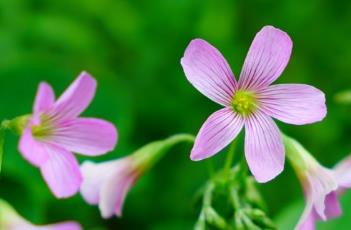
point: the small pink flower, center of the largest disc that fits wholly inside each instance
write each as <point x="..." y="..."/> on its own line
<point x="251" y="102"/>
<point x="108" y="183"/>
<point x="55" y="131"/>
<point x="321" y="185"/>
<point x="11" y="220"/>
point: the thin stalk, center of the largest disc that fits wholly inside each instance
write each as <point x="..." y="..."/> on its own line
<point x="230" y="156"/>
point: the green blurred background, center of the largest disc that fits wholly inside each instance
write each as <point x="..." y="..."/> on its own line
<point x="134" y="48"/>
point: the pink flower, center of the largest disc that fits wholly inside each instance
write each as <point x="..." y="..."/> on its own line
<point x="321" y="185"/>
<point x="108" y="183"/>
<point x="322" y="188"/>
<point x="252" y="101"/>
<point x="11" y="220"/>
<point x="55" y="131"/>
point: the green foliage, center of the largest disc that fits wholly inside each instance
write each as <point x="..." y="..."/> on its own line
<point x="133" y="48"/>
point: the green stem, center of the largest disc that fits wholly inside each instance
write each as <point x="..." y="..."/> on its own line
<point x="210" y="168"/>
<point x="230" y="156"/>
<point x="2" y="140"/>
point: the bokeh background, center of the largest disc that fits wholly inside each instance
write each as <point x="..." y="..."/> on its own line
<point x="133" y="48"/>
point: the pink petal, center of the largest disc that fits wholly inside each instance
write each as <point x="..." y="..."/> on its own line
<point x="76" y="98"/>
<point x="264" y="150"/>
<point x="216" y="133"/>
<point x="267" y="58"/>
<point x="342" y="172"/>
<point x="88" y="136"/>
<point x="332" y="206"/>
<point x="61" y="172"/>
<point x="44" y="99"/>
<point x="94" y="175"/>
<point x="308" y="220"/>
<point x="114" y="192"/>
<point x="208" y="71"/>
<point x="61" y="226"/>
<point x="320" y="183"/>
<point x="293" y="103"/>
<point x="32" y="150"/>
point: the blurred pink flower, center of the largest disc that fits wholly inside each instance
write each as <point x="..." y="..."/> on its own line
<point x="108" y="183"/>
<point x="55" y="131"/>
<point x="11" y="220"/>
<point x="322" y="187"/>
<point x="251" y="102"/>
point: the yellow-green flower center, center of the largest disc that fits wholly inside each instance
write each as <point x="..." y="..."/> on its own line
<point x="244" y="102"/>
<point x="44" y="129"/>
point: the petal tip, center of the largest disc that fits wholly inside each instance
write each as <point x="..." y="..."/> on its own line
<point x="268" y="177"/>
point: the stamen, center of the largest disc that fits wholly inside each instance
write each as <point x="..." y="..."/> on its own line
<point x="44" y="129"/>
<point x="244" y="102"/>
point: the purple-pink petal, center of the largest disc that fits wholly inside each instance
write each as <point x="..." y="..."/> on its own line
<point x="264" y="150"/>
<point x="208" y="71"/>
<point x="44" y="99"/>
<point x="76" y="98"/>
<point x="308" y="221"/>
<point x="32" y="150"/>
<point x="267" y="58"/>
<point x="61" y="172"/>
<point x="216" y="133"/>
<point x="332" y="206"/>
<point x="87" y="136"/>
<point x="293" y="103"/>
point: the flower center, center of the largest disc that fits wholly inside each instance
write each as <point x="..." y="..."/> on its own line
<point x="244" y="102"/>
<point x="44" y="129"/>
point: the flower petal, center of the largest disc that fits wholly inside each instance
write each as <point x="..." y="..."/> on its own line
<point x="264" y="150"/>
<point x="321" y="183"/>
<point x="307" y="220"/>
<point x="216" y="133"/>
<point x="114" y="192"/>
<point x="61" y="172"/>
<point x="332" y="206"/>
<point x="342" y="172"/>
<point x="32" y="150"/>
<point x="208" y="71"/>
<point x="94" y="175"/>
<point x="76" y="98"/>
<point x="293" y="103"/>
<point x="267" y="58"/>
<point x="60" y="226"/>
<point x="88" y="136"/>
<point x="44" y="99"/>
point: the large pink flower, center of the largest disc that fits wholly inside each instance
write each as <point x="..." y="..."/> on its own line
<point x="55" y="131"/>
<point x="11" y="220"/>
<point x="251" y="102"/>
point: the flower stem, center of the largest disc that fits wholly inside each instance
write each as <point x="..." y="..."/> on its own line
<point x="230" y="156"/>
<point x="2" y="140"/>
<point x="5" y="124"/>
